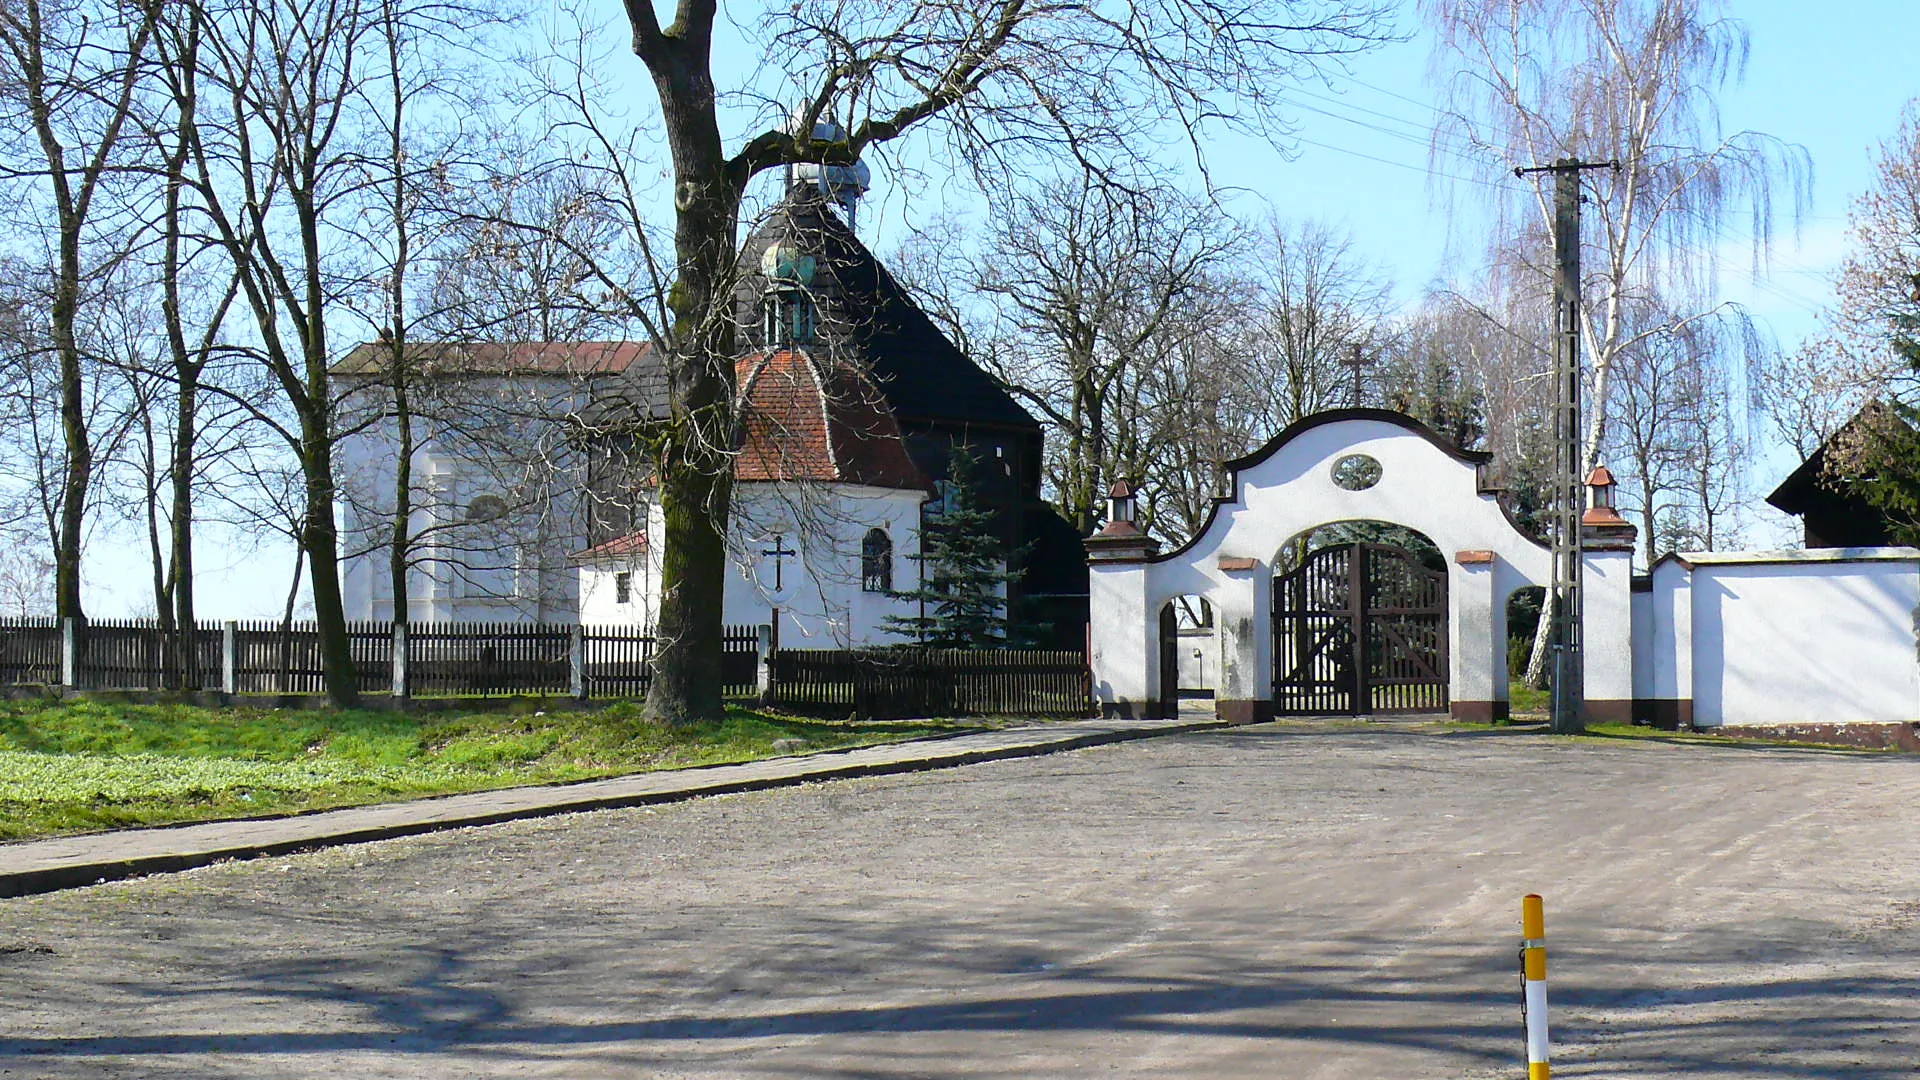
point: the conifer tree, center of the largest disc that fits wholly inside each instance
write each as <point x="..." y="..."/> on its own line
<point x="963" y="575"/>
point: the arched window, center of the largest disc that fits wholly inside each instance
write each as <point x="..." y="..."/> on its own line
<point x="876" y="562"/>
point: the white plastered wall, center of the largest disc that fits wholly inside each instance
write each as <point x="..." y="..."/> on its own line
<point x="1284" y="491"/>
<point x="1796" y="637"/>
<point x="819" y="591"/>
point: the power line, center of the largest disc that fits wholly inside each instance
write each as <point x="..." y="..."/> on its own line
<point x="1425" y="137"/>
<point x="1404" y="165"/>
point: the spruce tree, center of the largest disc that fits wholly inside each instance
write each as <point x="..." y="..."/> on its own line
<point x="963" y="575"/>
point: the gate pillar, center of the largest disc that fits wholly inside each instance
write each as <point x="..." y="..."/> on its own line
<point x="1243" y="610"/>
<point x="1606" y="610"/>
<point x="1123" y="629"/>
<point x="1476" y="623"/>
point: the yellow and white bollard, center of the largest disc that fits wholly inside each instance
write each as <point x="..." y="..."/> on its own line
<point x="1533" y="959"/>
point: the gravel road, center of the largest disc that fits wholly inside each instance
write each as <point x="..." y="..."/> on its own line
<point x="1272" y="902"/>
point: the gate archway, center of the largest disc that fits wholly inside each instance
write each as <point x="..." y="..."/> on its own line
<point x="1431" y="636"/>
<point x="1360" y="628"/>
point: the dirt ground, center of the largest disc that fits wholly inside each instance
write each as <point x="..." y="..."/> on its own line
<point x="1261" y="902"/>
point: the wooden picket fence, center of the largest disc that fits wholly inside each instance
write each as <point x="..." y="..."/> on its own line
<point x="30" y="651"/>
<point x="443" y="659"/>
<point x="618" y="661"/>
<point x="907" y="682"/>
<point x="485" y="659"/>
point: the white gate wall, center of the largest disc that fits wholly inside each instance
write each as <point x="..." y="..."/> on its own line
<point x="1820" y="637"/>
<point x="1287" y="488"/>
<point x="1789" y="637"/>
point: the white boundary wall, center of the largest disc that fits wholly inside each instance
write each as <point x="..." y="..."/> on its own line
<point x="1780" y="637"/>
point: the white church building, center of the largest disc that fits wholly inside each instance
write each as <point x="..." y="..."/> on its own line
<point x="531" y="495"/>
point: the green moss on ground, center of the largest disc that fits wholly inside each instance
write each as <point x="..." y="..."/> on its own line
<point x="1710" y="738"/>
<point x="80" y="766"/>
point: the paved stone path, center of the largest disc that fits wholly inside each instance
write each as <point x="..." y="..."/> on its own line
<point x="64" y="862"/>
<point x="1265" y="902"/>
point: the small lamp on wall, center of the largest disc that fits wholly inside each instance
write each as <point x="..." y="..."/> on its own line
<point x="1121" y="502"/>
<point x="1600" y="498"/>
<point x="1602" y="528"/>
<point x="1121" y="540"/>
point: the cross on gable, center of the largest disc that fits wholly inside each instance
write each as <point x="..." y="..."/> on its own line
<point x="779" y="553"/>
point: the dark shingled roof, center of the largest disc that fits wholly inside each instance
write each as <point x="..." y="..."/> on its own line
<point x="921" y="373"/>
<point x="1831" y="514"/>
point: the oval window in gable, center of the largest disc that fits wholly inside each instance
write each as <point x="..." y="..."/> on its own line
<point x="1356" y="472"/>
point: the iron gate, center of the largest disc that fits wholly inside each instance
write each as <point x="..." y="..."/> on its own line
<point x="1360" y="629"/>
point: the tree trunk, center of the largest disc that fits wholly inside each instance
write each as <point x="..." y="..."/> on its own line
<point x="695" y="464"/>
<point x="181" y="529"/>
<point x="286" y="618"/>
<point x="78" y="477"/>
<point x="320" y="539"/>
<point x="186" y="370"/>
<point x="402" y="538"/>
<point x="401" y="541"/>
<point x="1536" y="674"/>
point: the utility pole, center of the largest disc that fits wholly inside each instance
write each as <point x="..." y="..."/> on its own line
<point x="1568" y="482"/>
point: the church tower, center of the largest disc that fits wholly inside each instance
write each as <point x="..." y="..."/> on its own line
<point x="807" y="282"/>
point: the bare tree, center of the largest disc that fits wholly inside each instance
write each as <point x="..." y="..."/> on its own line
<point x="1879" y="302"/>
<point x="1005" y="80"/>
<point x="1423" y="374"/>
<point x="26" y="576"/>
<point x="1855" y="387"/>
<point x="70" y="75"/>
<point x="1813" y="390"/>
<point x="1649" y="408"/>
<point x="287" y="110"/>
<point x="1092" y="281"/>
<point x="1317" y="303"/>
<point x="1198" y="419"/>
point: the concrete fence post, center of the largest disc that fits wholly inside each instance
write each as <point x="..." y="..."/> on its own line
<point x="577" y="661"/>
<point x="230" y="657"/>
<point x="402" y="686"/>
<point x="69" y="654"/>
<point x="763" y="667"/>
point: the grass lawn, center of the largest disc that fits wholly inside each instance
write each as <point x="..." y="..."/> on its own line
<point x="81" y="766"/>
<point x="1524" y="700"/>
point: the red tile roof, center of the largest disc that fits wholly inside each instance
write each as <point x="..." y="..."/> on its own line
<point x="488" y="358"/>
<point x="807" y="421"/>
<point x="616" y="548"/>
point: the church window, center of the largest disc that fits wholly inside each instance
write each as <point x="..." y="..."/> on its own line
<point x="623" y="588"/>
<point x="789" y="318"/>
<point x="942" y="501"/>
<point x="876" y="562"/>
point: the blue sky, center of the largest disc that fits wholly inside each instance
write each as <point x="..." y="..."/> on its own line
<point x="1831" y="77"/>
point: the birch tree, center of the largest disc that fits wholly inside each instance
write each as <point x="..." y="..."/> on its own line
<point x="1630" y="81"/>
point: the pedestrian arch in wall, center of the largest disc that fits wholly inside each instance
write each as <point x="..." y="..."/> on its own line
<point x="1356" y="627"/>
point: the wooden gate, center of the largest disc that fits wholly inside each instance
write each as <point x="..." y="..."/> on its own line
<point x="1360" y="629"/>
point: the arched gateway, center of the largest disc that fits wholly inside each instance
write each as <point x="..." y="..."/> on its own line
<point x="1307" y="632"/>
